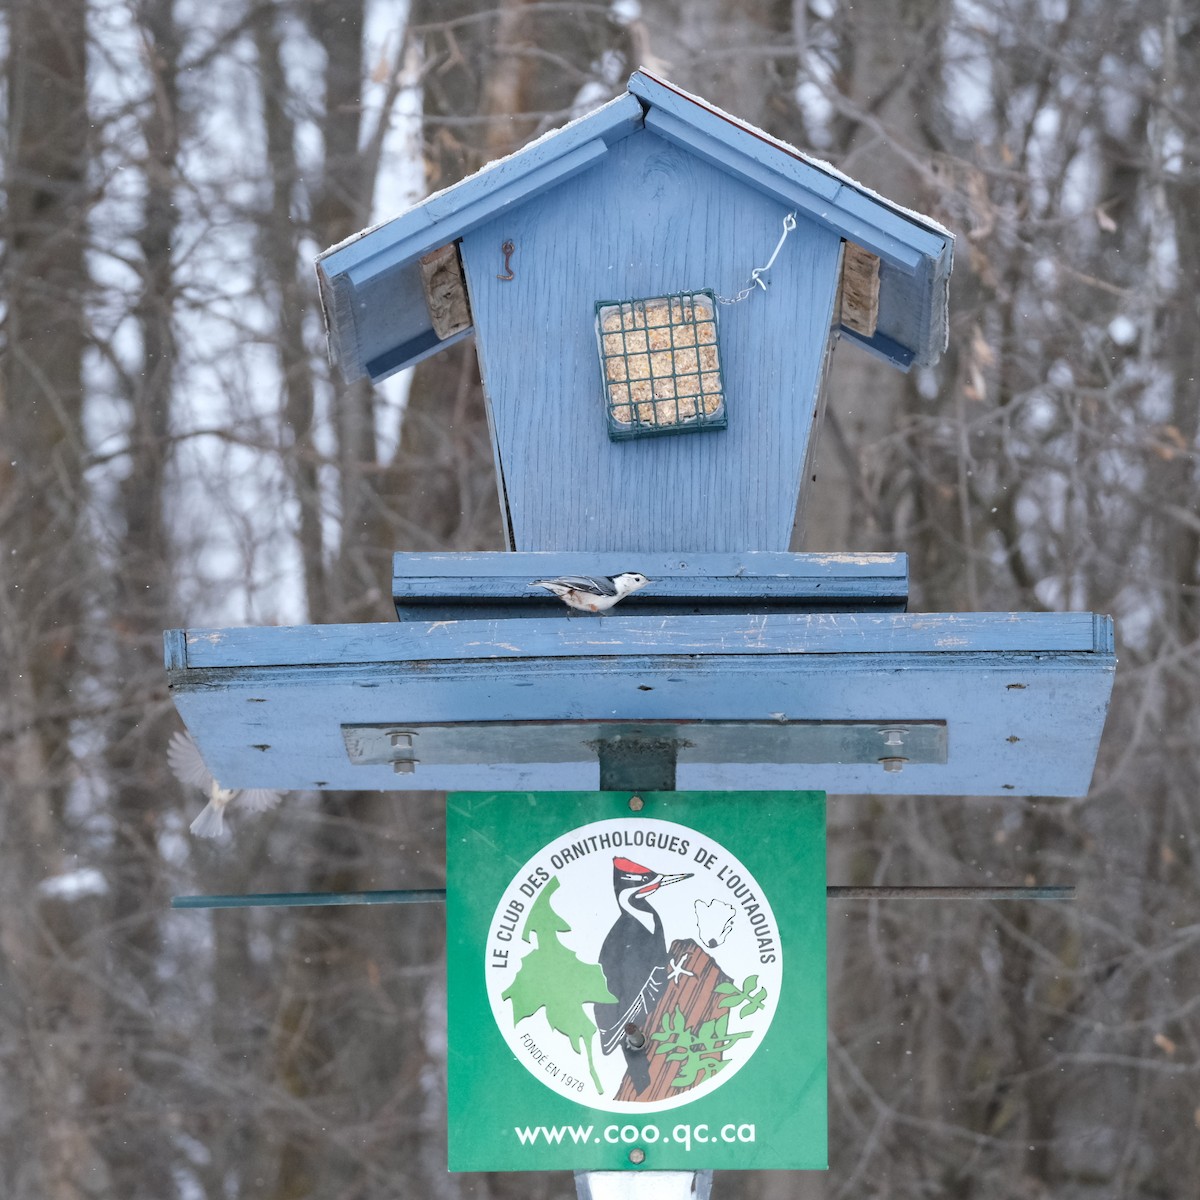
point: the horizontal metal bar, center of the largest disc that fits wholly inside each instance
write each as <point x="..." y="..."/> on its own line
<point x="311" y="899"/>
<point x="438" y="896"/>
<point x="950" y="893"/>
<point x="892" y="744"/>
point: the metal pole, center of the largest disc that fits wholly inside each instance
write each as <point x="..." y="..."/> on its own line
<point x="652" y="1185"/>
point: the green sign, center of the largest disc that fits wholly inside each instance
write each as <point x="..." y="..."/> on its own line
<point x="636" y="983"/>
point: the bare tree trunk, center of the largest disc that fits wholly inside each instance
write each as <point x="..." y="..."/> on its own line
<point x="46" y="567"/>
<point x="294" y="305"/>
<point x="329" y="1054"/>
<point x="141" y="588"/>
<point x="358" y="584"/>
<point x="41" y="474"/>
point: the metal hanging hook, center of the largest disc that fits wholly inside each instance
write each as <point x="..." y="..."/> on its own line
<point x="508" y="249"/>
<point x="789" y="223"/>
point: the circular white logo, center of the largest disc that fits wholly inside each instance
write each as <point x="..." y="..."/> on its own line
<point x="633" y="965"/>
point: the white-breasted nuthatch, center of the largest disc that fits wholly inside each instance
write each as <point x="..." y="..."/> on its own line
<point x="593" y="593"/>
<point x="188" y="766"/>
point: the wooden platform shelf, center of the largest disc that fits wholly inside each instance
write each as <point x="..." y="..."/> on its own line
<point x="1021" y="698"/>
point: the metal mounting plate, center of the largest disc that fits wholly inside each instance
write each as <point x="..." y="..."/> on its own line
<point x="889" y="743"/>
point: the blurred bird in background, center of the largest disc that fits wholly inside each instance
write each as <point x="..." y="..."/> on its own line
<point x="185" y="761"/>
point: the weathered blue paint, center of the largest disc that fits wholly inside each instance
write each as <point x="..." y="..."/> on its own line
<point x="789" y="181"/>
<point x="916" y="255"/>
<point x="371" y="283"/>
<point x="653" y="220"/>
<point x="375" y="307"/>
<point x="1024" y="696"/>
<point x="435" y="586"/>
<point x="564" y="635"/>
<point x="655" y="194"/>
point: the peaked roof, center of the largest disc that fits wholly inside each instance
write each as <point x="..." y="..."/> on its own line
<point x="371" y="284"/>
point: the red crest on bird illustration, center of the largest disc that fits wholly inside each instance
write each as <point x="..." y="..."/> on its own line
<point x="631" y="983"/>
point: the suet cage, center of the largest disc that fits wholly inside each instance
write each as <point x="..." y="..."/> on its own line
<point x="661" y="365"/>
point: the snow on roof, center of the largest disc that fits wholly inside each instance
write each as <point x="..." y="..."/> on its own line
<point x="787" y="148"/>
<point x="372" y="276"/>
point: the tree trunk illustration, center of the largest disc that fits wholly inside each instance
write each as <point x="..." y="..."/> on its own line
<point x="695" y="995"/>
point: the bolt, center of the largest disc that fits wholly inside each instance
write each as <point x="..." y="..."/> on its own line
<point x="404" y="766"/>
<point x="399" y="738"/>
<point x="893" y="765"/>
<point x="635" y="1039"/>
<point x="637" y="1156"/>
<point x="636" y="803"/>
<point x="893" y="737"/>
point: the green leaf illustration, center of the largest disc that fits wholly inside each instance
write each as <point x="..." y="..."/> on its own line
<point x="750" y="1000"/>
<point x="553" y="977"/>
<point x="699" y="1054"/>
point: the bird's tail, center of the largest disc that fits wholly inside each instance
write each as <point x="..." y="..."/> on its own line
<point x="210" y="823"/>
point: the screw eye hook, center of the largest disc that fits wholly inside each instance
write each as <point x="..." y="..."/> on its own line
<point x="508" y="249"/>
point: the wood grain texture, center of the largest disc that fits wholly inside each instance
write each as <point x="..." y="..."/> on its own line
<point x="406" y="237"/>
<point x="717" y="571"/>
<point x="859" y="297"/>
<point x="445" y="291"/>
<point x="371" y="286"/>
<point x="652" y="220"/>
<point x="372" y="293"/>
<point x="571" y="636"/>
<point x="175" y="649"/>
<point x="737" y="141"/>
<point x="791" y="183"/>
<point x="434" y="586"/>
<point x="267" y="706"/>
<point x="693" y="995"/>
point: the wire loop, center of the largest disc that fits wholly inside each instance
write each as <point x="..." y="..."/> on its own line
<point x="789" y="223"/>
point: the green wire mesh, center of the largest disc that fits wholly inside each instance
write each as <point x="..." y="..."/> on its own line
<point x="661" y="365"/>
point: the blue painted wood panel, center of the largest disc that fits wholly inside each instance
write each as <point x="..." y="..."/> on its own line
<point x="653" y="220"/>
<point x="371" y="289"/>
<point x="568" y="636"/>
<point x="916" y="254"/>
<point x="1024" y="696"/>
<point x="370" y="284"/>
<point x="433" y="586"/>
<point x="790" y="182"/>
<point x="887" y="230"/>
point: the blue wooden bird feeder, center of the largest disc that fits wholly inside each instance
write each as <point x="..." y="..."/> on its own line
<point x="654" y="291"/>
<point x="655" y="268"/>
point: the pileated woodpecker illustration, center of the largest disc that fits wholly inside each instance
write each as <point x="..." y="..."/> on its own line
<point x="634" y="961"/>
